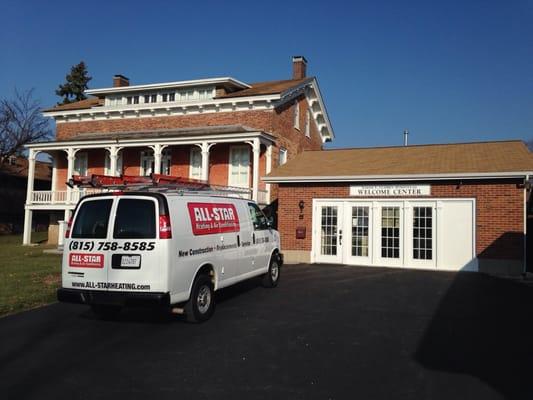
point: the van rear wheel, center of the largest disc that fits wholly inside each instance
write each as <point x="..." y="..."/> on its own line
<point x="201" y="305"/>
<point x="105" y="311"/>
<point x="271" y="278"/>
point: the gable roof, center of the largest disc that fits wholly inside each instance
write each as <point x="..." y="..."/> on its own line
<point x="78" y="105"/>
<point x="266" y="88"/>
<point x="481" y="158"/>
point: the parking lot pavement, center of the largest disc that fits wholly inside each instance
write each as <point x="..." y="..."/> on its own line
<point x="327" y="332"/>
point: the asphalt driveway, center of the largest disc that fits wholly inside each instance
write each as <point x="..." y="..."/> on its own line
<point x="327" y="332"/>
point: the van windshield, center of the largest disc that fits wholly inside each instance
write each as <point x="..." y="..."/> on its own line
<point x="135" y="219"/>
<point x="92" y="219"/>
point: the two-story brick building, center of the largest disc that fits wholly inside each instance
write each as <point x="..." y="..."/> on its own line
<point x="220" y="130"/>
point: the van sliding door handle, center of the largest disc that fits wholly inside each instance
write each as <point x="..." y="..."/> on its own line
<point x="238" y="241"/>
<point x="253" y="238"/>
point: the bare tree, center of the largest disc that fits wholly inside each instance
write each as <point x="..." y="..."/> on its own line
<point x="21" y="122"/>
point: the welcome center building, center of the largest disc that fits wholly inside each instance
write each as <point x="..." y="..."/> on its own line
<point x="442" y="207"/>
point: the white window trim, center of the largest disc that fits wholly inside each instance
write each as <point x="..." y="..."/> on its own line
<point x="282" y="150"/>
<point x="231" y="150"/>
<point x="195" y="149"/>
<point x="296" y="115"/>
<point x="145" y="156"/>
<point x="78" y="158"/>
<point x="308" y="123"/>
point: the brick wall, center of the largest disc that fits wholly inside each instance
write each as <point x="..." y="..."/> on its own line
<point x="279" y="122"/>
<point x="499" y="213"/>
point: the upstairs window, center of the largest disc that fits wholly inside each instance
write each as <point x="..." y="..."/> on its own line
<point x="132" y="100"/>
<point x="150" y="98"/>
<point x="308" y="124"/>
<point x="166" y="97"/>
<point x="296" y="114"/>
<point x="204" y="94"/>
<point x="282" y="156"/>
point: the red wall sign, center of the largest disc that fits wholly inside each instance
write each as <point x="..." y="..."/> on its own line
<point x="82" y="260"/>
<point x="208" y="218"/>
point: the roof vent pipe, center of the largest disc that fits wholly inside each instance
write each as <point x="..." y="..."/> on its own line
<point x="405" y="135"/>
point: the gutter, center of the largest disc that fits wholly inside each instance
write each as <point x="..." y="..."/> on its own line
<point x="385" y="178"/>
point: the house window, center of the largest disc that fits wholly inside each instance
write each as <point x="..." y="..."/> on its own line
<point x="308" y="124"/>
<point x="166" y="97"/>
<point x="205" y="94"/>
<point x="150" y="98"/>
<point x="107" y="164"/>
<point x="282" y="156"/>
<point x="195" y="168"/>
<point x="80" y="164"/>
<point x="147" y="163"/>
<point x="239" y="166"/>
<point x="135" y="99"/>
<point x="172" y="97"/>
<point x="129" y="100"/>
<point x="296" y="115"/>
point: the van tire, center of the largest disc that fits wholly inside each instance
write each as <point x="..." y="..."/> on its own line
<point x="201" y="305"/>
<point x="271" y="278"/>
<point x="106" y="312"/>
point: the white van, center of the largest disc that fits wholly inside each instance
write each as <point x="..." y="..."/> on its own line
<point x="162" y="248"/>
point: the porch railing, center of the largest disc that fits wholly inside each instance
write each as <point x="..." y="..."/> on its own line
<point x="60" y="197"/>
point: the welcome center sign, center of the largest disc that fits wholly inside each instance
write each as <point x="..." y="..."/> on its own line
<point x="389" y="190"/>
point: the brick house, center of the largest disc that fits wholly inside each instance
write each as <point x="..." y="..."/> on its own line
<point x="443" y="207"/>
<point x="219" y="130"/>
<point x="14" y="177"/>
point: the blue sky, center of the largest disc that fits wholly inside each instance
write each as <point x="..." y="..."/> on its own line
<point x="448" y="71"/>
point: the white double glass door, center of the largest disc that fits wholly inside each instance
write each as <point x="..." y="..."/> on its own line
<point x="381" y="233"/>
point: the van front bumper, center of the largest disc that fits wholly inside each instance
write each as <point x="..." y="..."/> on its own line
<point x="113" y="298"/>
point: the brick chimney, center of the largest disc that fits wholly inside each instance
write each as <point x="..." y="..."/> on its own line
<point x="120" y="81"/>
<point x="299" y="67"/>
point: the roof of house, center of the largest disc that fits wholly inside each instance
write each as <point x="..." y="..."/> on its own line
<point x="256" y="89"/>
<point x="266" y="88"/>
<point x="78" y="105"/>
<point x="177" y="132"/>
<point x="43" y="170"/>
<point x="436" y="159"/>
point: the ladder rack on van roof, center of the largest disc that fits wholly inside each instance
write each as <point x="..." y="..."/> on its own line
<point x="156" y="183"/>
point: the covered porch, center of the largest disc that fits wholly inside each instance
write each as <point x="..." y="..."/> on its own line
<point x="233" y="156"/>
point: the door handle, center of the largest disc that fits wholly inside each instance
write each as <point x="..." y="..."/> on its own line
<point x="253" y="237"/>
<point x="238" y="241"/>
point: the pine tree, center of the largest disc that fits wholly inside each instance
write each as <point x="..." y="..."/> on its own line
<point x="76" y="83"/>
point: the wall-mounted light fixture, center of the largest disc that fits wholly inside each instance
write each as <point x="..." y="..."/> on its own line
<point x="301" y="204"/>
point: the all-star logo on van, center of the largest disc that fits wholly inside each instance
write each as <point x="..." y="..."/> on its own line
<point x="209" y="218"/>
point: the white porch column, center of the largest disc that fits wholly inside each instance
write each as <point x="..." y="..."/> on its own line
<point x="256" y="149"/>
<point x="71" y="157"/>
<point x="113" y="157"/>
<point x="268" y="168"/>
<point x="26" y="237"/>
<point x="205" y="160"/>
<point x="157" y="158"/>
<point x="54" y="177"/>
<point x="31" y="175"/>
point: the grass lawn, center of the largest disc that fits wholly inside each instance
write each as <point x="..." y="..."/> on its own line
<point x="28" y="277"/>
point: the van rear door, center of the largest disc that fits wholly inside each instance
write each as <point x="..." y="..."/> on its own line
<point x="137" y="256"/>
<point x="84" y="262"/>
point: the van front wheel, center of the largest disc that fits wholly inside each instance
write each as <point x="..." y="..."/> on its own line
<point x="271" y="278"/>
<point x="201" y="305"/>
